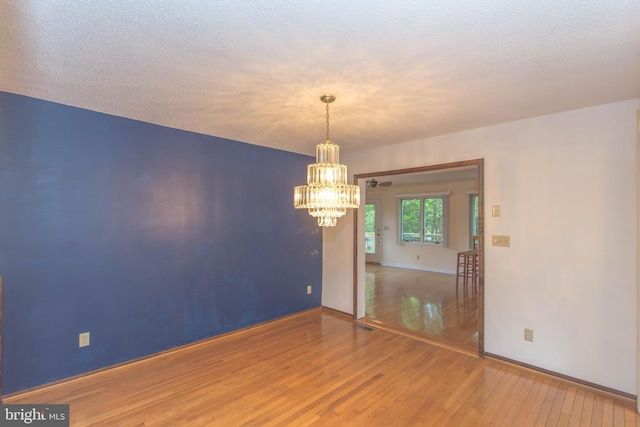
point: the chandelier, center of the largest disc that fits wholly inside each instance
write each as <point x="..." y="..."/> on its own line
<point x="327" y="195"/>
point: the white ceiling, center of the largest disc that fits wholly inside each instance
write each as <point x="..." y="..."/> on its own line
<point x="253" y="71"/>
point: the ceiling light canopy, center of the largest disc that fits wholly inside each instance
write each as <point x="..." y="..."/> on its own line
<point x="327" y="195"/>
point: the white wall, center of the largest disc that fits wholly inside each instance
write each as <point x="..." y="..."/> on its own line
<point x="431" y="258"/>
<point x="567" y="188"/>
<point x="638" y="254"/>
<point x="337" y="263"/>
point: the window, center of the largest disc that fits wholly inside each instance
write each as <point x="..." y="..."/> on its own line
<point x="473" y="219"/>
<point x="370" y="228"/>
<point x="423" y="218"/>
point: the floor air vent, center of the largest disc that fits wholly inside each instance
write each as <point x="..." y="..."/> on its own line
<point x="365" y="327"/>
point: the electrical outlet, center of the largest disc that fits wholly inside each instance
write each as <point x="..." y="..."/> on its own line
<point x="309" y="290"/>
<point x="528" y="335"/>
<point x="83" y="339"/>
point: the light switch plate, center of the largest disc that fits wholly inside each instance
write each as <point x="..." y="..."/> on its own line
<point x="495" y="210"/>
<point x="503" y="241"/>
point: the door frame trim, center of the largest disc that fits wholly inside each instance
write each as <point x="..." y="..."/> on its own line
<point x="479" y="163"/>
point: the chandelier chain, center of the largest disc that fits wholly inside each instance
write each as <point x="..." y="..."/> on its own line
<point x="327" y="121"/>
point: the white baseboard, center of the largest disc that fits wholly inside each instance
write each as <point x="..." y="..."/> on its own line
<point x="418" y="267"/>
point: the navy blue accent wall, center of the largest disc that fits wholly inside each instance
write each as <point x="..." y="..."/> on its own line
<point x="145" y="236"/>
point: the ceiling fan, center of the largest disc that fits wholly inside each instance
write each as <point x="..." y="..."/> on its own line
<point x="373" y="183"/>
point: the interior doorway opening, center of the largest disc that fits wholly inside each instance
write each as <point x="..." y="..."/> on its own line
<point x="412" y="286"/>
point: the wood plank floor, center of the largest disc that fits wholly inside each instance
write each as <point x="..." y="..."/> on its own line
<point x="422" y="302"/>
<point x="319" y="368"/>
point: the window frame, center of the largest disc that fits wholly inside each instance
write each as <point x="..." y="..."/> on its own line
<point x="444" y="196"/>
<point x="473" y="198"/>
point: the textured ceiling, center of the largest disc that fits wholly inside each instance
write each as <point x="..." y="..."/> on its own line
<point x="254" y="71"/>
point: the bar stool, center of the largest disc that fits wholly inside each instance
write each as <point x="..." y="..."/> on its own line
<point x="468" y="269"/>
<point x="473" y="270"/>
<point x="461" y="270"/>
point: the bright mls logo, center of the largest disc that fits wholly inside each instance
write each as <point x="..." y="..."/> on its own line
<point x="34" y="415"/>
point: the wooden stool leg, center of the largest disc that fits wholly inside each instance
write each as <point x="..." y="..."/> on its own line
<point x="476" y="273"/>
<point x="457" y="272"/>
<point x="466" y="272"/>
<point x="474" y="264"/>
<point x="460" y="269"/>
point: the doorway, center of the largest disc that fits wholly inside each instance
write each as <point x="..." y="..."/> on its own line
<point x="422" y="305"/>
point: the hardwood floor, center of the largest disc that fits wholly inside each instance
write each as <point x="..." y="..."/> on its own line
<point x="422" y="302"/>
<point x="320" y="368"/>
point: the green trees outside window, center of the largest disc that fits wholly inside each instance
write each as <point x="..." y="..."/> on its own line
<point x="423" y="220"/>
<point x="473" y="219"/>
